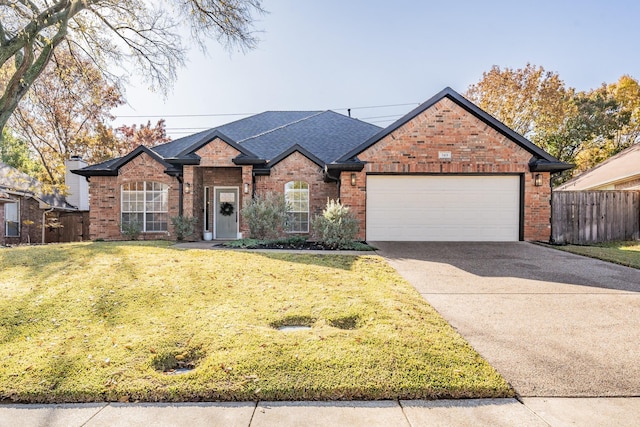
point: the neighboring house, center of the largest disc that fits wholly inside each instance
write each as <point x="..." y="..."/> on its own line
<point x="25" y="205"/>
<point x="445" y="171"/>
<point x="620" y="172"/>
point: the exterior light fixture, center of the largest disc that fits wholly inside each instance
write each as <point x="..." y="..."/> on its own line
<point x="187" y="188"/>
<point x="353" y="179"/>
<point x="246" y="188"/>
<point x="537" y="180"/>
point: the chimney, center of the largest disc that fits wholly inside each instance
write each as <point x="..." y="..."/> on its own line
<point x="78" y="186"/>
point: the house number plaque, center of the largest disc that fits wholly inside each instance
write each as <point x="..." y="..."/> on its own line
<point x="227" y="197"/>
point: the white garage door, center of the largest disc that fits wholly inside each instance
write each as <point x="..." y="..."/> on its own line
<point x="443" y="208"/>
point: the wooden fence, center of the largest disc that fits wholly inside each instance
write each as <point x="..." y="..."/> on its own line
<point x="585" y="217"/>
<point x="68" y="227"/>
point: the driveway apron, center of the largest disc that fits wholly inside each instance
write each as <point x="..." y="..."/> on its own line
<point x="552" y="323"/>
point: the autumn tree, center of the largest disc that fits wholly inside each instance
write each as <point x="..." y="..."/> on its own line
<point x="135" y="34"/>
<point x="131" y="136"/>
<point x="584" y="128"/>
<point x="530" y="100"/>
<point x="66" y="113"/>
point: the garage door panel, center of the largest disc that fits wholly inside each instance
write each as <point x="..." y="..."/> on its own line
<point x="443" y="208"/>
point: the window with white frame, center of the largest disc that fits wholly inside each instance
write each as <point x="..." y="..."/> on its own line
<point x="296" y="194"/>
<point x="12" y="219"/>
<point x="145" y="204"/>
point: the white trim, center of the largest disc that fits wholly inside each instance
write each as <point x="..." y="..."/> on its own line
<point x="308" y="211"/>
<point x="205" y="214"/>
<point x="216" y="207"/>
<point x="18" y="221"/>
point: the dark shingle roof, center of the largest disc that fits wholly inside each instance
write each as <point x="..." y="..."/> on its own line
<point x="327" y="135"/>
<point x="323" y="136"/>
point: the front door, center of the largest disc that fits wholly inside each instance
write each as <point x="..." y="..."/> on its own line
<point x="226" y="213"/>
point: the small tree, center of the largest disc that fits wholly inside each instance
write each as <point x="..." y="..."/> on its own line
<point x="183" y="226"/>
<point x="266" y="216"/>
<point x="337" y="227"/>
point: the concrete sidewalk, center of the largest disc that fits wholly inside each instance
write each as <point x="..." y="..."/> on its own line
<point x="481" y="412"/>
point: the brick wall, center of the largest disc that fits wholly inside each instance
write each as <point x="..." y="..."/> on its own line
<point x="105" y="193"/>
<point x="297" y="167"/>
<point x="475" y="148"/>
<point x="29" y="233"/>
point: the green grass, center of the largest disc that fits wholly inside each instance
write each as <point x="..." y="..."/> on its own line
<point x="104" y="321"/>
<point x="624" y="253"/>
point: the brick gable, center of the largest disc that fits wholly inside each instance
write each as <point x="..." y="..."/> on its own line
<point x="217" y="153"/>
<point x="297" y="167"/>
<point x="104" y="191"/>
<point x="475" y="147"/>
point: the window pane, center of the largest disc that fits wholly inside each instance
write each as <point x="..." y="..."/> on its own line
<point x="145" y="202"/>
<point x="156" y="222"/>
<point x="297" y="196"/>
<point x="12" y="219"/>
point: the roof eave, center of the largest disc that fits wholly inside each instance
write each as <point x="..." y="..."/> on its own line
<point x="183" y="161"/>
<point x="98" y="172"/>
<point x="345" y="166"/>
<point x="544" y="166"/>
<point x="248" y="161"/>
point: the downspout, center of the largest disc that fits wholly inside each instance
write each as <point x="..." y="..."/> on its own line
<point x="253" y="184"/>
<point x="180" y="195"/>
<point x="328" y="177"/>
<point x="44" y="219"/>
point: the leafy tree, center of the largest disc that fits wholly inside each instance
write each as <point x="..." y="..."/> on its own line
<point x="132" y="136"/>
<point x="626" y="91"/>
<point x="139" y="33"/>
<point x="529" y="100"/>
<point x="65" y="113"/>
<point x="15" y="153"/>
<point x="577" y="127"/>
<point x="592" y="133"/>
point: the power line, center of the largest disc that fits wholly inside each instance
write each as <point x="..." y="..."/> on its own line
<point x="380" y="117"/>
<point x="377" y="106"/>
<point x="155" y="116"/>
<point x="187" y="115"/>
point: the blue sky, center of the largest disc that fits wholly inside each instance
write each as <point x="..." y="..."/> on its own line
<point x="332" y="54"/>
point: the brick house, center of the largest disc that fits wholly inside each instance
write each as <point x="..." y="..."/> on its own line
<point x="445" y="171"/>
<point x="25" y="206"/>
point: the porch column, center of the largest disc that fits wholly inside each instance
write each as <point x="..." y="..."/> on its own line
<point x="247" y="184"/>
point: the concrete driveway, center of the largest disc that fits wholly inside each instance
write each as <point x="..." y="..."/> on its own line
<point x="552" y="323"/>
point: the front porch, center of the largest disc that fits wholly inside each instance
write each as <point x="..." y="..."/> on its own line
<point x="215" y="196"/>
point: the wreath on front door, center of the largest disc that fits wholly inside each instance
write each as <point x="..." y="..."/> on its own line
<point x="226" y="209"/>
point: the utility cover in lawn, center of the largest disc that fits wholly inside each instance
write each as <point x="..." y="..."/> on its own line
<point x="143" y="321"/>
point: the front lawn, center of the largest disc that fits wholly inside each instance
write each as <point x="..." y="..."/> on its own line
<point x="145" y="321"/>
<point x="624" y="253"/>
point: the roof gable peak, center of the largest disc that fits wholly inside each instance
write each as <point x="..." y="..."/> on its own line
<point x="468" y="106"/>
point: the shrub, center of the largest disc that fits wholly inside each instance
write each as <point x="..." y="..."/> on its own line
<point x="336" y="227"/>
<point x="183" y="226"/>
<point x="131" y="230"/>
<point x="266" y="216"/>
